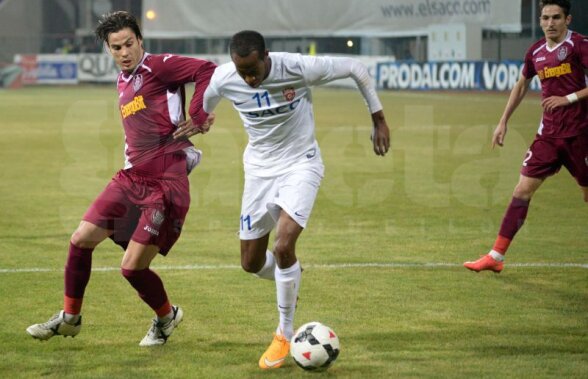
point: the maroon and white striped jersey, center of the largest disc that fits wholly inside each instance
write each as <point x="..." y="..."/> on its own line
<point x="152" y="102"/>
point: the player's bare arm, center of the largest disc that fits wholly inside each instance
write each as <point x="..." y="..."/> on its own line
<point x="553" y="102"/>
<point x="380" y="134"/>
<point x="516" y="96"/>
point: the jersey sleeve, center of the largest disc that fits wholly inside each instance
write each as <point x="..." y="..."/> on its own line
<point x="321" y="70"/>
<point x="528" y="68"/>
<point x="177" y="70"/>
<point x="583" y="51"/>
<point x="212" y="94"/>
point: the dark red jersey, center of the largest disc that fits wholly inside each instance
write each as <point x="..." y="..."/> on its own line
<point x="561" y="71"/>
<point x="152" y="101"/>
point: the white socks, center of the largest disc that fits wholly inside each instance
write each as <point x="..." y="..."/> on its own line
<point x="71" y="319"/>
<point x="267" y="271"/>
<point x="166" y="318"/>
<point x="287" y="285"/>
<point x="496" y="255"/>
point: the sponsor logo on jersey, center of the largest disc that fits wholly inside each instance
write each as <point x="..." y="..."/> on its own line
<point x="540" y="59"/>
<point x="555" y="72"/>
<point x="282" y="109"/>
<point x="562" y="53"/>
<point x="137" y="82"/>
<point x="132" y="107"/>
<point x="289" y="93"/>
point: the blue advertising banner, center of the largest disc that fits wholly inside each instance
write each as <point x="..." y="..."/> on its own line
<point x="468" y="75"/>
<point x="48" y="68"/>
<point x="57" y="72"/>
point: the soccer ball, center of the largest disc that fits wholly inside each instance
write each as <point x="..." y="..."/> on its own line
<point x="314" y="346"/>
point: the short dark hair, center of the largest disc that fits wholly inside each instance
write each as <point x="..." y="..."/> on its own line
<point x="563" y="4"/>
<point x="246" y="42"/>
<point x="114" y="22"/>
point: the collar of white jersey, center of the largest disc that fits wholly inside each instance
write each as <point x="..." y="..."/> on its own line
<point x="272" y="57"/>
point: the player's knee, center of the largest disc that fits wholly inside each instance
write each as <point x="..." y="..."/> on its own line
<point x="284" y="253"/>
<point x="88" y="236"/>
<point x="522" y="193"/>
<point x="78" y="239"/>
<point x="252" y="262"/>
<point x="251" y="265"/>
<point x="133" y="276"/>
<point x="127" y="274"/>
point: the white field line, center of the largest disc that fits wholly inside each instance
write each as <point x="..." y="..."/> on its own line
<point x="334" y="266"/>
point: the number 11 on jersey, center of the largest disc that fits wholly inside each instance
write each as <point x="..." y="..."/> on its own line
<point x="264" y="96"/>
<point x="246" y="221"/>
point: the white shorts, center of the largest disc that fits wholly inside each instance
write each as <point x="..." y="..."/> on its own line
<point x="264" y="198"/>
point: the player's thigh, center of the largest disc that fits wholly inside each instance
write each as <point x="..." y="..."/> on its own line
<point x="110" y="209"/>
<point x="255" y="220"/>
<point x="177" y="202"/>
<point x="101" y="217"/>
<point x="526" y="187"/>
<point x="162" y="215"/>
<point x="253" y="253"/>
<point x="575" y="157"/>
<point x="88" y="235"/>
<point x="138" y="256"/>
<point x="297" y="194"/>
<point x="542" y="159"/>
<point x="287" y="232"/>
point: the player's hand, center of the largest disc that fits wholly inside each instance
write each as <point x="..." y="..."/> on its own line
<point x="380" y="134"/>
<point x="187" y="129"/>
<point x="499" y="134"/>
<point x="209" y="121"/>
<point x="552" y="102"/>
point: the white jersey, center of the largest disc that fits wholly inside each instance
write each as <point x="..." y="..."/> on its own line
<point x="278" y="115"/>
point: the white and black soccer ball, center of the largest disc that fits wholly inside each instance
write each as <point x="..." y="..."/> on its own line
<point x="314" y="346"/>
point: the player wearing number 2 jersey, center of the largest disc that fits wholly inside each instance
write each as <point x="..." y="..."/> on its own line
<point x="282" y="161"/>
<point x="560" y="60"/>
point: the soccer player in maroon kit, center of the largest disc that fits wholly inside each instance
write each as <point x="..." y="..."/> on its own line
<point x="561" y="62"/>
<point x="144" y="206"/>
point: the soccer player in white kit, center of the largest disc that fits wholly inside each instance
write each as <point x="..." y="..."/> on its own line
<point x="282" y="161"/>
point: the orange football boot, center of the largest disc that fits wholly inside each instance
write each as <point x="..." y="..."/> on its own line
<point x="276" y="353"/>
<point x="485" y="263"/>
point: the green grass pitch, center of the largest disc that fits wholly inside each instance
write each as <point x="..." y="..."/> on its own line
<point x="382" y="253"/>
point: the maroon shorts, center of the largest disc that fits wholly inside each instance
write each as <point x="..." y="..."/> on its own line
<point x="546" y="156"/>
<point x="141" y="205"/>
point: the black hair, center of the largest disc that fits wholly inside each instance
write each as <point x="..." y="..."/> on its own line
<point x="563" y="4"/>
<point x="115" y="22"/>
<point x="245" y="42"/>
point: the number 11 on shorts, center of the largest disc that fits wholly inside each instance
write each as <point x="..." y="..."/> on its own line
<point x="246" y="221"/>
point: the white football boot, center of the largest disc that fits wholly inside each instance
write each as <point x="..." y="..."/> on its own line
<point x="159" y="332"/>
<point x="56" y="326"/>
